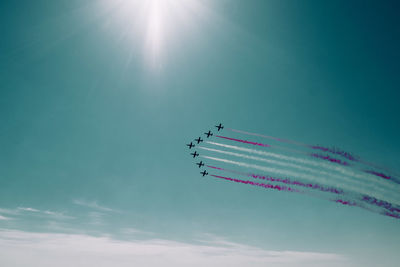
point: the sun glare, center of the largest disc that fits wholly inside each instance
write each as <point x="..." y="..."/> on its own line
<point x="153" y="24"/>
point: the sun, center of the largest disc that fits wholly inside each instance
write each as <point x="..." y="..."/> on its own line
<point x="155" y="24"/>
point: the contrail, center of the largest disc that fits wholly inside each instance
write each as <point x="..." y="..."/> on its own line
<point x="357" y="188"/>
<point x="341" y="170"/>
<point x="270" y="186"/>
<point x="285" y="181"/>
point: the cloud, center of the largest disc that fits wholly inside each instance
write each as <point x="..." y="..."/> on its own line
<point x="3" y="218"/>
<point x="28" y="209"/>
<point x="8" y="211"/>
<point x="18" y="248"/>
<point x="92" y="205"/>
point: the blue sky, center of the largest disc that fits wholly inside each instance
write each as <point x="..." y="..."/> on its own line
<point x="98" y="99"/>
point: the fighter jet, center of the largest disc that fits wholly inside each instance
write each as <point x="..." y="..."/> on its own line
<point x="190" y="145"/>
<point x="195" y="154"/>
<point x="200" y="164"/>
<point x="208" y="134"/>
<point x="204" y="173"/>
<point x="198" y="140"/>
<point x="220" y="127"/>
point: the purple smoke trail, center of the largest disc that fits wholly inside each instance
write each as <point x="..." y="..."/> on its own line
<point x="243" y="141"/>
<point x="380" y="203"/>
<point x="284" y="188"/>
<point x="342" y="153"/>
<point x="384" y="176"/>
<point x="285" y="181"/>
<point x="270" y="186"/>
<point x="338" y="161"/>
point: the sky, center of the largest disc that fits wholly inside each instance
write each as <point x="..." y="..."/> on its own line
<point x="98" y="99"/>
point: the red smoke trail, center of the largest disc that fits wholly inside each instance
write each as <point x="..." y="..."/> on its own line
<point x="270" y="186"/>
<point x="387" y="177"/>
<point x="345" y="202"/>
<point x="270" y="137"/>
<point x="394" y="215"/>
<point x="338" y="161"/>
<point x="285" y="181"/>
<point x="243" y="141"/>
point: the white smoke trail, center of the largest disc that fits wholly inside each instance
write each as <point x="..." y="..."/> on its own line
<point x="371" y="178"/>
<point x="357" y="189"/>
<point x="317" y="172"/>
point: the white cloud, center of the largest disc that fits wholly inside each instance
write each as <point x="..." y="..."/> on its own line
<point x="28" y="209"/>
<point x="91" y="204"/>
<point x="18" y="248"/>
<point x="8" y="211"/>
<point x="3" y="218"/>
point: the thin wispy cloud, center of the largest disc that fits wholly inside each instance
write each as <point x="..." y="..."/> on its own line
<point x="49" y="249"/>
<point x="3" y="218"/>
<point x="29" y="211"/>
<point x="9" y="211"/>
<point x="92" y="205"/>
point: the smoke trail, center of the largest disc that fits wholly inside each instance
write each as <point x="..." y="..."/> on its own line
<point x="338" y="161"/>
<point x="269" y="137"/>
<point x="394" y="209"/>
<point x="271" y="161"/>
<point x="288" y="189"/>
<point x="336" y="151"/>
<point x="342" y="153"/>
<point x="317" y="172"/>
<point x="341" y="170"/>
<point x="379" y="174"/>
<point x="285" y="181"/>
<point x="344" y="202"/>
<point x="357" y="188"/>
<point x="270" y="186"/>
<point x="380" y="203"/>
<point x="397" y="216"/>
<point x="243" y="141"/>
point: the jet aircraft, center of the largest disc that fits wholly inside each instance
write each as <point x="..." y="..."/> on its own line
<point x="198" y="140"/>
<point x="190" y="145"/>
<point x="204" y="173"/>
<point x="195" y="154"/>
<point x="220" y="127"/>
<point x="209" y="134"/>
<point x="200" y="164"/>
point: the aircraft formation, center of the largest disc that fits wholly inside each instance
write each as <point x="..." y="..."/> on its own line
<point x="290" y="166"/>
<point x="197" y="141"/>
